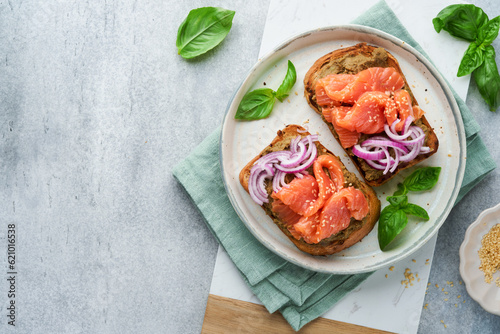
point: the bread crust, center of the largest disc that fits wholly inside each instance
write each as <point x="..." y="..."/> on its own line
<point x="351" y="60"/>
<point x="344" y="239"/>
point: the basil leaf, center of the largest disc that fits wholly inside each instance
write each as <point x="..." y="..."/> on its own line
<point x="256" y="104"/>
<point x="202" y="30"/>
<point x="473" y="58"/>
<point x="415" y="210"/>
<point x="462" y="21"/>
<point x="287" y="84"/>
<point x="488" y="79"/>
<point x="489" y="32"/>
<point x="259" y="103"/>
<point x="391" y="222"/>
<point x="398" y="200"/>
<point x="402" y="190"/>
<point x="422" y="179"/>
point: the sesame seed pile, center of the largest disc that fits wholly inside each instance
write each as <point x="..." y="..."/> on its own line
<point x="409" y="278"/>
<point x="489" y="254"/>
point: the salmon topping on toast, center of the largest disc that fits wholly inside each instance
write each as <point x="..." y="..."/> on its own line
<point x="314" y="208"/>
<point x="363" y="103"/>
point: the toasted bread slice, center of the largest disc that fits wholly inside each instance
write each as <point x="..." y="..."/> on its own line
<point x="351" y="60"/>
<point x="357" y="228"/>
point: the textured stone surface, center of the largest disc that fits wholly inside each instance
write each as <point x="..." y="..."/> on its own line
<point x="96" y="109"/>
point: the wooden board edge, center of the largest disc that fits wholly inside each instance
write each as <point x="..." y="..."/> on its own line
<point x="227" y="315"/>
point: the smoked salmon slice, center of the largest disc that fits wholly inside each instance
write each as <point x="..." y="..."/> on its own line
<point x="316" y="207"/>
<point x="403" y="110"/>
<point x="284" y="212"/>
<point x="347" y="138"/>
<point x="364" y="102"/>
<point x="334" y="82"/>
<point x="299" y="195"/>
<point x="307" y="195"/>
<point x="326" y="184"/>
<point x="322" y="99"/>
<point x="367" y="115"/>
<point x="377" y="79"/>
<point x="334" y="217"/>
<point x="338" y="210"/>
<point x="307" y="228"/>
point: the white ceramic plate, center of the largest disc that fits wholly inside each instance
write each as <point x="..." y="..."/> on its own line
<point x="486" y="294"/>
<point x="243" y="140"/>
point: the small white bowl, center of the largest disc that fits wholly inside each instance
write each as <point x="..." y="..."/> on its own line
<point x="486" y="294"/>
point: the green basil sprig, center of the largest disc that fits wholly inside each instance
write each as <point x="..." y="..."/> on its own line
<point x="202" y="30"/>
<point x="487" y="78"/>
<point x="394" y="217"/>
<point x="462" y="21"/>
<point x="472" y="24"/>
<point x="259" y="103"/>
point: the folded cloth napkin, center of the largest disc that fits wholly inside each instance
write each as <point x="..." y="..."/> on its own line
<point x="299" y="294"/>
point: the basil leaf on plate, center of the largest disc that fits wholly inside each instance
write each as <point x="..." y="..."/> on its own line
<point x="489" y="32"/>
<point x="422" y="179"/>
<point x="488" y="79"/>
<point x="202" y="30"/>
<point x="401" y="190"/>
<point x="391" y="222"/>
<point x="416" y="210"/>
<point x="259" y="103"/>
<point x="287" y="84"/>
<point x="256" y="104"/>
<point x="472" y="59"/>
<point x="462" y="21"/>
<point x="398" y="200"/>
<point x="393" y="217"/>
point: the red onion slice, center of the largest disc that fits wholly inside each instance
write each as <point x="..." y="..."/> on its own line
<point x="406" y="146"/>
<point x="384" y="143"/>
<point x="279" y="181"/>
<point x="412" y="154"/>
<point x="393" y="135"/>
<point x="366" y="154"/>
<point x="296" y="157"/>
<point x="276" y="165"/>
<point x="408" y="122"/>
<point x="425" y="149"/>
<point x="293" y="144"/>
<point x="273" y="157"/>
<point x="310" y="156"/>
<point x="256" y="183"/>
<point x="419" y="138"/>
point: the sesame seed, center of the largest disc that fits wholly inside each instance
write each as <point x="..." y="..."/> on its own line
<point x="489" y="254"/>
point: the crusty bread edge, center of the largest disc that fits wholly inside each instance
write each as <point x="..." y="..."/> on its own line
<point x="324" y="247"/>
<point x="363" y="48"/>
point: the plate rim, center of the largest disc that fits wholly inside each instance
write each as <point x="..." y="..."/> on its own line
<point x="448" y="93"/>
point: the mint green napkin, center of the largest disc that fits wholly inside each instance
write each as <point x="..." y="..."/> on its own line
<point x="300" y="295"/>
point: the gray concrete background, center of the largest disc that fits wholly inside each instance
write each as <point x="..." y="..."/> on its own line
<point x="96" y="108"/>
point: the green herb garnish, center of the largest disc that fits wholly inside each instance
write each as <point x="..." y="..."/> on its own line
<point x="202" y="30"/>
<point x="259" y="103"/>
<point x="470" y="23"/>
<point x="394" y="217"/>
